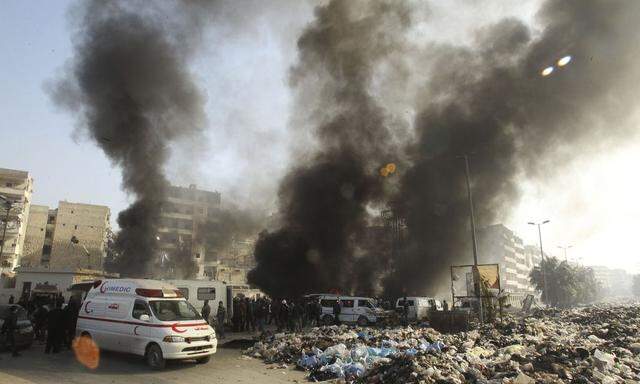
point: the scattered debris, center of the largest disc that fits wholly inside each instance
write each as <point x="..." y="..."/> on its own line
<point x="584" y="345"/>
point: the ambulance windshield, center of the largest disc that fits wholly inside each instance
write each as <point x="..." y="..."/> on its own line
<point x="170" y="310"/>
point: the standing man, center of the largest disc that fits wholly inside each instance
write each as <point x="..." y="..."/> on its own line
<point x="283" y="315"/>
<point x="9" y="328"/>
<point x="251" y="321"/>
<point x="260" y="314"/>
<point x="243" y="314"/>
<point x="221" y="315"/>
<point x="405" y="311"/>
<point x="206" y="311"/>
<point x="236" y="314"/>
<point x="54" y="329"/>
<point x="337" y="308"/>
<point x="317" y="312"/>
<point x="39" y="322"/>
<point x="69" y="320"/>
<point x="11" y="299"/>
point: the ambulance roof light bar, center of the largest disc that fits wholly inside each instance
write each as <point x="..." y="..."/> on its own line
<point x="158" y="292"/>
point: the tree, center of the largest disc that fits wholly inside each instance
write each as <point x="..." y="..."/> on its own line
<point x="567" y="285"/>
<point x="636" y="285"/>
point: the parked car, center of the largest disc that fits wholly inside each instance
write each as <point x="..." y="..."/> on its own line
<point x="24" y="336"/>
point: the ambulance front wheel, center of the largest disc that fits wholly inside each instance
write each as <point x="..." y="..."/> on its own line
<point x="154" y="357"/>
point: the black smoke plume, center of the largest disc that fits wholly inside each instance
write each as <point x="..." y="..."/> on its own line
<point x="224" y="225"/>
<point x="131" y="90"/>
<point x="323" y="201"/>
<point x="492" y="103"/>
<point x="487" y="100"/>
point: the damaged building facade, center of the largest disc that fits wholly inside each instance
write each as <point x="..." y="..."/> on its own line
<point x="73" y="235"/>
<point x="183" y="213"/>
<point x="16" y="187"/>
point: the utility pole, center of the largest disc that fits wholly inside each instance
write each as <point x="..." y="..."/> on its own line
<point x="542" y="268"/>
<point x="476" y="271"/>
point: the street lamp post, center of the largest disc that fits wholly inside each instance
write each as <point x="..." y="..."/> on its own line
<point x="564" y="248"/>
<point x="544" y="275"/>
<point x="476" y="272"/>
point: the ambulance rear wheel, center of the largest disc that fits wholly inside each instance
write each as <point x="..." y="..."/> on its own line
<point x="203" y="360"/>
<point x="154" y="357"/>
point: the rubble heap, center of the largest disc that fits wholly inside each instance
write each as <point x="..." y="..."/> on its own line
<point x="586" y="345"/>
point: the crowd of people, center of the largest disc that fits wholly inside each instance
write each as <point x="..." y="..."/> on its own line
<point x="54" y="321"/>
<point x="254" y="314"/>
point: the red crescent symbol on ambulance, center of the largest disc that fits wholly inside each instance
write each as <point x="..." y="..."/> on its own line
<point x="135" y="330"/>
<point x="86" y="307"/>
<point x="174" y="327"/>
<point x="103" y="287"/>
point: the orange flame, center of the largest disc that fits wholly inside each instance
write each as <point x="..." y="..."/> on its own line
<point x="86" y="351"/>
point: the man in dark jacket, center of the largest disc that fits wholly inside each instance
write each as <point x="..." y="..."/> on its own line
<point x="337" y="308"/>
<point x="55" y="329"/>
<point x="40" y="322"/>
<point x="10" y="327"/>
<point x="206" y="311"/>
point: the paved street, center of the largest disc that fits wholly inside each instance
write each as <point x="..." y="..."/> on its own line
<point x="226" y="366"/>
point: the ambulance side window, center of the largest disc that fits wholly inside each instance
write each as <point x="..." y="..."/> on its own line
<point x="140" y="308"/>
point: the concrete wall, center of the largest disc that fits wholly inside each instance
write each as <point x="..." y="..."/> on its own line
<point x="35" y="236"/>
<point x="89" y="224"/>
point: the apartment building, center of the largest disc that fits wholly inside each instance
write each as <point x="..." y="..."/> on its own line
<point x="183" y="214"/>
<point x="498" y="244"/>
<point x="16" y="188"/>
<point x="614" y="282"/>
<point x="71" y="236"/>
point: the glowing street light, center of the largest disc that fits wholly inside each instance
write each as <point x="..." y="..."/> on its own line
<point x="561" y="63"/>
<point x="547" y="71"/>
<point x="564" y="61"/>
<point x="565" y="248"/>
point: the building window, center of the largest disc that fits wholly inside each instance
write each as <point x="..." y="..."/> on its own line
<point x="9" y="185"/>
<point x="41" y="229"/>
<point x="51" y="220"/>
<point x="46" y="250"/>
<point x="48" y="234"/>
<point x="75" y="227"/>
<point x="72" y="211"/>
<point x="197" y="255"/>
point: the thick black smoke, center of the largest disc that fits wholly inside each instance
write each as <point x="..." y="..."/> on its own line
<point x="132" y="92"/>
<point x="323" y="201"/>
<point x="487" y="100"/>
<point x="492" y="103"/>
<point x="226" y="224"/>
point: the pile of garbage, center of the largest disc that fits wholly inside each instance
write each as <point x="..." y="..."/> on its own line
<point x="585" y="345"/>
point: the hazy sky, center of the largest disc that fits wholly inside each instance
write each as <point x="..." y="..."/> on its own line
<point x="592" y="203"/>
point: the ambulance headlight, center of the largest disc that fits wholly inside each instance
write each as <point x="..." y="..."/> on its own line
<point x="173" y="339"/>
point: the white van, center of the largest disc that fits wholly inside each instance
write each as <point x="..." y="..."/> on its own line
<point x="145" y="317"/>
<point x="197" y="291"/>
<point x="355" y="309"/>
<point x="418" y="307"/>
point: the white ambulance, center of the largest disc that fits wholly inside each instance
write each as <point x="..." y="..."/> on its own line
<point x="145" y="317"/>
